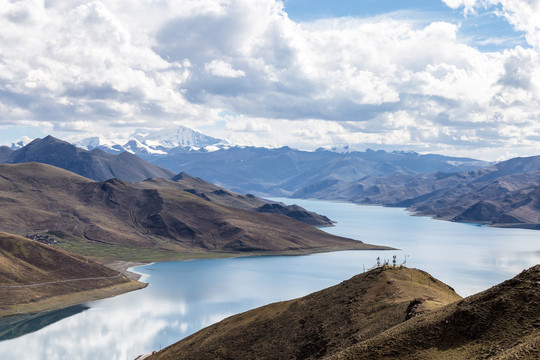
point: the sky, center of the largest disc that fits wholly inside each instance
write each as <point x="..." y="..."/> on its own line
<point x="457" y="77"/>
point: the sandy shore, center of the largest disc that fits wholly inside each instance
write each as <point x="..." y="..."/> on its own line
<point x="123" y="266"/>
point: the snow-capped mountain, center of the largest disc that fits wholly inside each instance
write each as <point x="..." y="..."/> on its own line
<point x="98" y="142"/>
<point x="22" y="142"/>
<point x="137" y="147"/>
<point x="169" y="138"/>
<point x="145" y="143"/>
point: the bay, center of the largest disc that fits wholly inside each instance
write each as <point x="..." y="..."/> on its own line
<point x="184" y="297"/>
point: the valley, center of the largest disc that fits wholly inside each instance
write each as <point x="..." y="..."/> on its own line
<point x="505" y="194"/>
<point x="122" y="208"/>
<point x="121" y="224"/>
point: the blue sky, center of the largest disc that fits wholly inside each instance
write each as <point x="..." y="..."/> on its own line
<point x="475" y="30"/>
<point x="458" y="77"/>
<point x="305" y="10"/>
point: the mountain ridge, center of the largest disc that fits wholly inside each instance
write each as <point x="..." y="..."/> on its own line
<point x="150" y="144"/>
<point x="98" y="165"/>
<point x="219" y="195"/>
<point x="500" y="322"/>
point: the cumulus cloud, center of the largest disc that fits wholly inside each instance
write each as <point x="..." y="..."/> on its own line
<point x="81" y="63"/>
<point x="248" y="125"/>
<point x="223" y="69"/>
<point x="83" y="66"/>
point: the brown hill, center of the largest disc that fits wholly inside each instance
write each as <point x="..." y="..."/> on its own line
<point x="319" y="324"/>
<point x="95" y="164"/>
<point x="113" y="219"/>
<point x="500" y="323"/>
<point x="34" y="277"/>
<point x="221" y="196"/>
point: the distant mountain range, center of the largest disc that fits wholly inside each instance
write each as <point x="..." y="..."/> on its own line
<point x="505" y="194"/>
<point x="265" y="171"/>
<point x="285" y="171"/>
<point x="395" y="313"/>
<point x="261" y="171"/>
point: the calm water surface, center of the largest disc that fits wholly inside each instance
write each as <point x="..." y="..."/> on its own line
<point x="183" y="297"/>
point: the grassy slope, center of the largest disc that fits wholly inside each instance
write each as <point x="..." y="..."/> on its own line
<point x="117" y="220"/>
<point x="502" y="322"/>
<point x="27" y="262"/>
<point x="319" y="324"/>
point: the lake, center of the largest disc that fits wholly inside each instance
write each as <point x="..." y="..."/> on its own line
<point x="184" y="297"/>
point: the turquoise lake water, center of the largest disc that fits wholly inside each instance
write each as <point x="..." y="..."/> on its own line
<point x="184" y="297"/>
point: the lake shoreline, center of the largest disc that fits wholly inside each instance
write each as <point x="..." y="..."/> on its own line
<point x="123" y="267"/>
<point x="67" y="300"/>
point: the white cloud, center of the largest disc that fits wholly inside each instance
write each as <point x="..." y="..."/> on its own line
<point x="248" y="125"/>
<point x="223" y="69"/>
<point x="383" y="80"/>
<point x="468" y="5"/>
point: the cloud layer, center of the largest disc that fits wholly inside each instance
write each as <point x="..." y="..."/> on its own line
<point x="88" y="66"/>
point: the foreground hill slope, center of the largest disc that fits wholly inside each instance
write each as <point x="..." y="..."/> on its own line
<point x="115" y="219"/>
<point x="95" y="164"/>
<point x="34" y="276"/>
<point x="500" y="323"/>
<point x="321" y="323"/>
